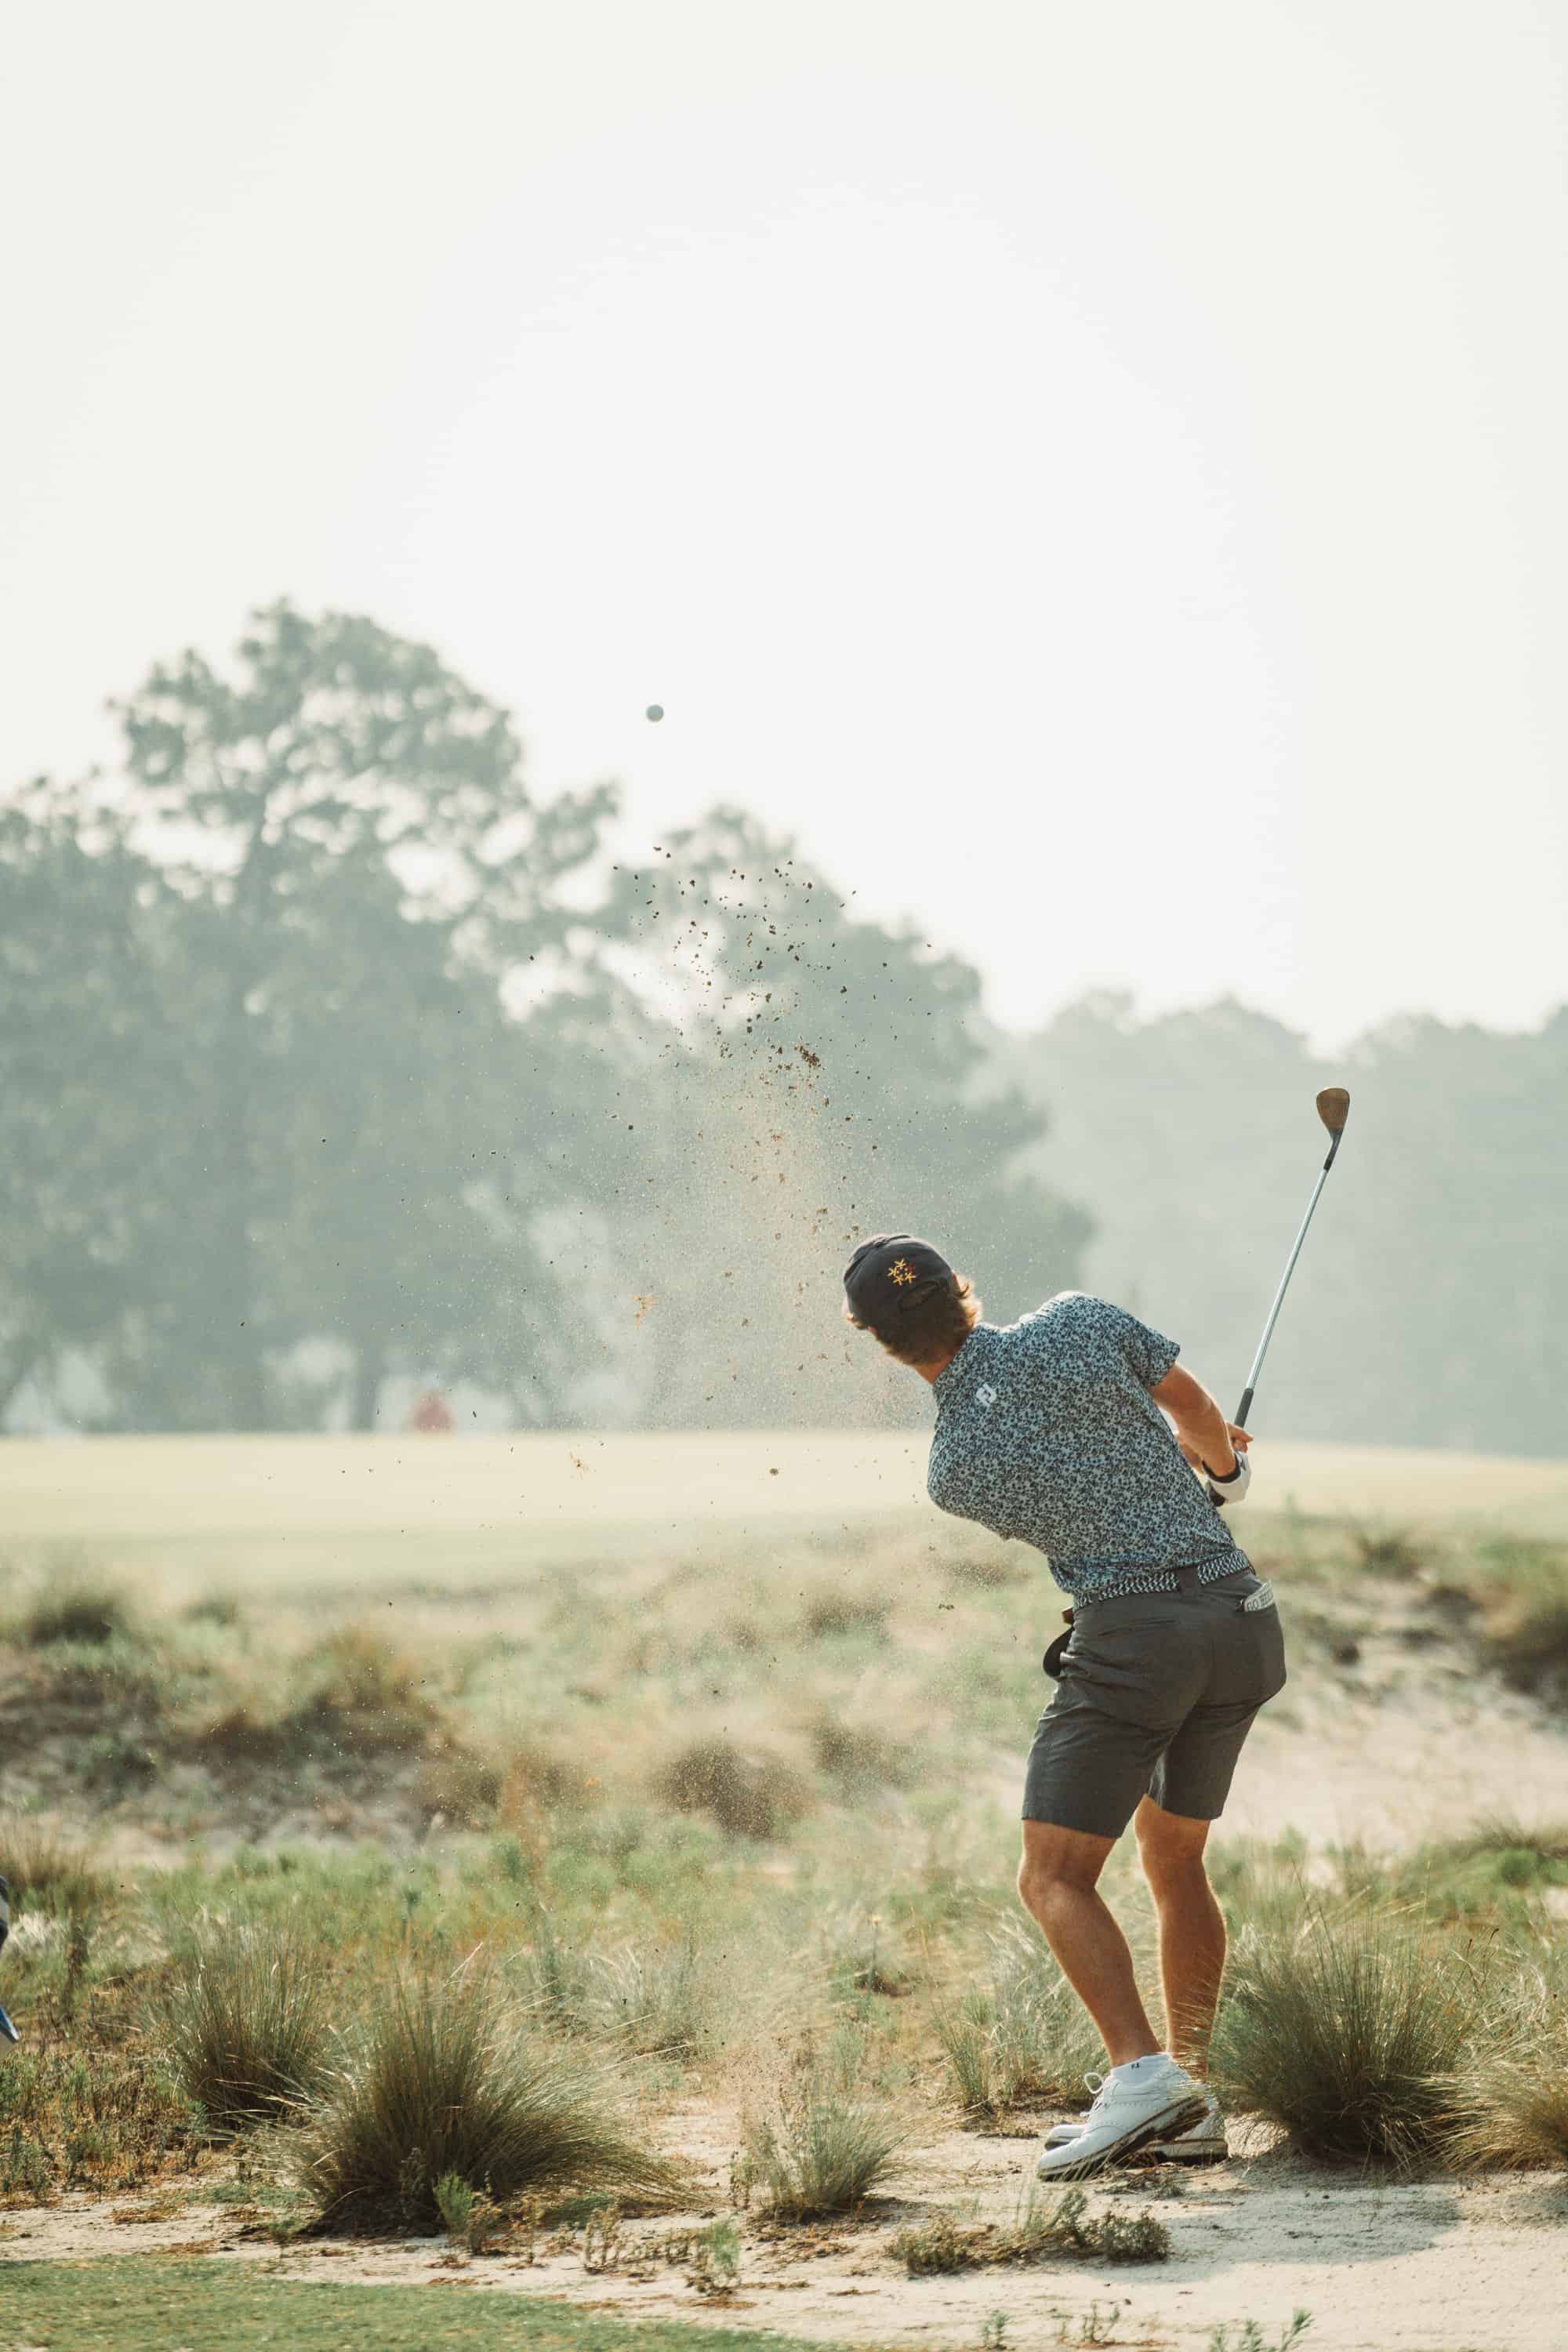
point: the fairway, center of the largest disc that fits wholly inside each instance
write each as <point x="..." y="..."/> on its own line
<point x="400" y="1509"/>
<point x="148" y="2306"/>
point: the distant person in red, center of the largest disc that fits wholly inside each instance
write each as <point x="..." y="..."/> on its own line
<point x="432" y="1415"/>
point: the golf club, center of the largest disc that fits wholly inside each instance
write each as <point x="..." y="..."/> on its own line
<point x="6" y="2027"/>
<point x="1334" y="1110"/>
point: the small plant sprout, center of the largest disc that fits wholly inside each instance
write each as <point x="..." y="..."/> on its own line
<point x="993" y="2334"/>
<point x="1247" y="2336"/>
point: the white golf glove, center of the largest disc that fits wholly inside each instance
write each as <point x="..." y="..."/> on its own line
<point x="1221" y="1491"/>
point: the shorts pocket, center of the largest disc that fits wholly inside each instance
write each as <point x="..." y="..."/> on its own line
<point x="1136" y="1669"/>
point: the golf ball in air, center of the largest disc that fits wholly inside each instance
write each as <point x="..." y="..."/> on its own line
<point x="654" y="711"/>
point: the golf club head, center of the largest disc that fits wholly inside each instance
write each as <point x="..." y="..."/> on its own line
<point x="1334" y="1108"/>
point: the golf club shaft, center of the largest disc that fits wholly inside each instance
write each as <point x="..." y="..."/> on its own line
<point x="1245" y="1407"/>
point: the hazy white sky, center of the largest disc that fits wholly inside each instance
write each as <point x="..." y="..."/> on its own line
<point x="1096" y="470"/>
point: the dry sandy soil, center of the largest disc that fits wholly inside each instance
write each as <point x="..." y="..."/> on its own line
<point x="1414" y="2266"/>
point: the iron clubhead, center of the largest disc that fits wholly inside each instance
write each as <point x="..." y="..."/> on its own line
<point x="1334" y="1108"/>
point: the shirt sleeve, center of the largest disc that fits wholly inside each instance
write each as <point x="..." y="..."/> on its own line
<point x="1146" y="1352"/>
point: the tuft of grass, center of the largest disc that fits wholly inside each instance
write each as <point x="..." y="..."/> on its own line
<point x="360" y="1699"/>
<point x="1512" y="2100"/>
<point x="78" y="1607"/>
<point x="1021" y="2038"/>
<point x="860" y="1760"/>
<point x="443" y="2084"/>
<point x="248" y="2026"/>
<point x="50" y="1874"/>
<point x="828" y="2144"/>
<point x="1385" y="1551"/>
<point x="1348" y="2031"/>
<point x="1247" y="2336"/>
<point x="753" y="1796"/>
<point x="833" y="1612"/>
<point x="1041" y="2232"/>
<point x="457" y="1789"/>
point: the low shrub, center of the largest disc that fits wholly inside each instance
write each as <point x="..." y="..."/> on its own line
<point x="1348" y="2031"/>
<point x="248" y="2024"/>
<point x="1042" y="2232"/>
<point x="107" y="2118"/>
<point x="444" y="2084"/>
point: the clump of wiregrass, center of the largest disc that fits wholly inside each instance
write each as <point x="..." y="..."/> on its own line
<point x="248" y="2024"/>
<point x="1349" y="2028"/>
<point x="1043" y="2230"/>
<point x="827" y="2137"/>
<point x="1019" y="2037"/>
<point x="861" y="1759"/>
<point x="1382" y="1550"/>
<point x="748" y="1793"/>
<point x="354" y="1696"/>
<point x="52" y="1874"/>
<point x="1524" y="1587"/>
<point x="1511" y="2101"/>
<point x="80" y="1605"/>
<point x="837" y="1608"/>
<point x="447" y="2082"/>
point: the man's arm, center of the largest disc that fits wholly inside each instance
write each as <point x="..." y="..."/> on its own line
<point x="1203" y="1433"/>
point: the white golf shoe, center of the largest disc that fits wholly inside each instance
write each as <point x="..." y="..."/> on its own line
<point x="1147" y="2100"/>
<point x="1203" y="2143"/>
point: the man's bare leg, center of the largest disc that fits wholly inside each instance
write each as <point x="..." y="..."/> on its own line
<point x="1057" y="1886"/>
<point x="1192" y="1929"/>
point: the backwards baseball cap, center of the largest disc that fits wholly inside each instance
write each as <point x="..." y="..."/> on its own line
<point x="891" y="1273"/>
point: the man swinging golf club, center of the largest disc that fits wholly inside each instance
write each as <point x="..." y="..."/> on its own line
<point x="1053" y="1430"/>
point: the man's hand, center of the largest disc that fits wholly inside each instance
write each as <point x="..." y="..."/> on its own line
<point x="1240" y="1439"/>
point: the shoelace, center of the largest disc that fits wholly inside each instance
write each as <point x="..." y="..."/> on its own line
<point x="1096" y="2085"/>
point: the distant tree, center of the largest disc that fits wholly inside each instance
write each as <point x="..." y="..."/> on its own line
<point x="1432" y="1308"/>
<point x="349" y="820"/>
<point x="91" y="985"/>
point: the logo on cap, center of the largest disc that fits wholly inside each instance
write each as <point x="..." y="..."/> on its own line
<point x="902" y="1271"/>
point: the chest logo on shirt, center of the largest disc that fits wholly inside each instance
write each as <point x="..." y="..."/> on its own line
<point x="986" y="1396"/>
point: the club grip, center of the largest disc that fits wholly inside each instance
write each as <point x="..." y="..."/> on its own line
<point x="1243" y="1408"/>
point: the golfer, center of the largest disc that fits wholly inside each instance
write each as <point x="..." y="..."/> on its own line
<point x="1077" y="1431"/>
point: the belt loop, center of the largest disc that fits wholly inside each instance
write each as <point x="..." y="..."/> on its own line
<point x="1187" y="1578"/>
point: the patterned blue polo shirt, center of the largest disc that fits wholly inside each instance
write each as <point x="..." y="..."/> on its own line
<point x="1046" y="1431"/>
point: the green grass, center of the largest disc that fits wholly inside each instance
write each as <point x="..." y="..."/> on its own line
<point x="142" y="2304"/>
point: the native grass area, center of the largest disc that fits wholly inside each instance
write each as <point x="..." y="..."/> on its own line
<point x="569" y="1879"/>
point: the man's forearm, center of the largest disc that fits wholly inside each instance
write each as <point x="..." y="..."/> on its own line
<point x="1203" y="1427"/>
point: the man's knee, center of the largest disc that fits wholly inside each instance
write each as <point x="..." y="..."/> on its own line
<point x="1170" y="1846"/>
<point x="1057" y="1862"/>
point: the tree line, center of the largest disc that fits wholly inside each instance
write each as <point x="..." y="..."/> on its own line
<point x="335" y="1061"/>
<point x="332" y="1056"/>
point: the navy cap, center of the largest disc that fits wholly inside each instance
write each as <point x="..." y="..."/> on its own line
<point x="891" y="1273"/>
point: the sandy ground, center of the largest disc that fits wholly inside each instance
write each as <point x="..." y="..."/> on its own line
<point x="1401" y="2266"/>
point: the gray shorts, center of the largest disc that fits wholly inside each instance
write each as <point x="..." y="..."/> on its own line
<point x="1158" y="1691"/>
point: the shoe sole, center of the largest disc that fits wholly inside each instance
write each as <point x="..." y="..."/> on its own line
<point x="1178" y="2151"/>
<point x="1167" y="2125"/>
